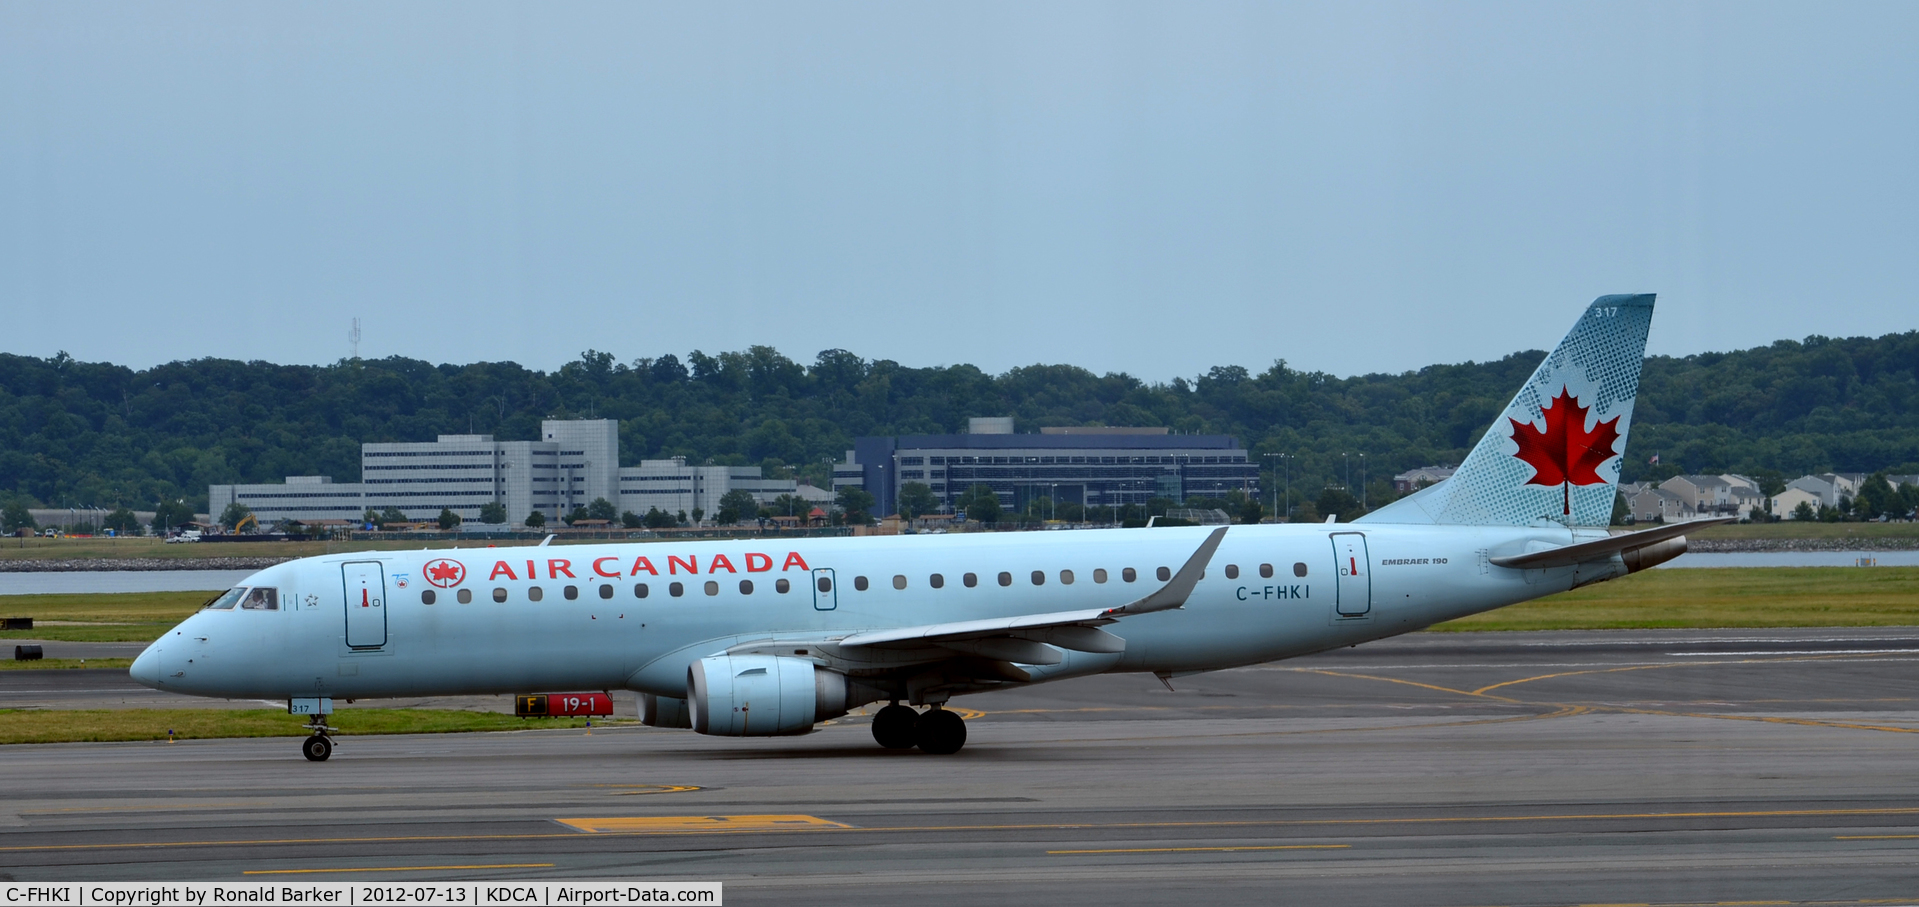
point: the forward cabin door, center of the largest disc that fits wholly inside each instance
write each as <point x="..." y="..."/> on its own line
<point x="365" y="604"/>
<point x="1353" y="594"/>
<point x="826" y="591"/>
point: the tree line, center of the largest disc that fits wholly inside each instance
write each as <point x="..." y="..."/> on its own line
<point x="76" y="433"/>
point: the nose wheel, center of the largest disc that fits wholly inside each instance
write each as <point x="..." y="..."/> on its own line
<point x="318" y="746"/>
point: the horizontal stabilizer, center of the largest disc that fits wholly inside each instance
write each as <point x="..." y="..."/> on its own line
<point x="1569" y="555"/>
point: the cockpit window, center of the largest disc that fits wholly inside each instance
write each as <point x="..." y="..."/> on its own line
<point x="227" y="600"/>
<point x="261" y="598"/>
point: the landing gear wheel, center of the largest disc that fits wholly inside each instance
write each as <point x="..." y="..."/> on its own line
<point x="941" y="732"/>
<point x="893" y="727"/>
<point x="316" y="748"/>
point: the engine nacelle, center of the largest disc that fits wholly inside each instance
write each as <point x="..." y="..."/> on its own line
<point x="664" y="711"/>
<point x="1646" y="556"/>
<point x="763" y="695"/>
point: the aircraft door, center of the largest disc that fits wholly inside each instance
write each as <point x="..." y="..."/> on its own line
<point x="826" y="590"/>
<point x="1353" y="594"/>
<point x="365" y="604"/>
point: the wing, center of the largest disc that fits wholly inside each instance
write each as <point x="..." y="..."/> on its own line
<point x="1031" y="638"/>
<point x="1568" y="555"/>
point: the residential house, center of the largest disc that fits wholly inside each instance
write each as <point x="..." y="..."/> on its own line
<point x="1659" y="505"/>
<point x="1414" y="479"/>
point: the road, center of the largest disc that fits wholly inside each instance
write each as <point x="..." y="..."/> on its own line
<point x="1446" y="769"/>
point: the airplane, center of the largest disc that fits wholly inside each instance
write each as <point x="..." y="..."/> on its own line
<point x="752" y="637"/>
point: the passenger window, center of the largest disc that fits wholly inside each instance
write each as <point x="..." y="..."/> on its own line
<point x="1039" y="577"/>
<point x="261" y="598"/>
<point x="1232" y="571"/>
<point x="226" y="601"/>
<point x="1099" y="575"/>
<point x="899" y="581"/>
<point x="465" y="596"/>
<point x="426" y="596"/>
<point x="499" y="595"/>
<point x="746" y="587"/>
<point x="859" y="582"/>
<point x="1006" y="579"/>
<point x="606" y="591"/>
<point x="1129" y="574"/>
<point x="571" y="592"/>
<point x="826" y="584"/>
<point x="640" y="590"/>
<point x="970" y="579"/>
<point x="1266" y="571"/>
<point x="1164" y="574"/>
<point x="535" y="593"/>
<point x="782" y="587"/>
<point x="936" y="581"/>
<point x="676" y="589"/>
<point x="1299" y="569"/>
<point x="712" y="587"/>
<point x="1066" y="577"/>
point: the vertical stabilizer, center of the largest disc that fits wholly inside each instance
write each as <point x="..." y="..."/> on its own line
<point x="1555" y="453"/>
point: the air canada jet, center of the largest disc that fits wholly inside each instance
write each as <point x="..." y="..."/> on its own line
<point x="757" y="637"/>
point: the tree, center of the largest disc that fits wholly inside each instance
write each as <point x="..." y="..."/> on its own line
<point x="1338" y="500"/>
<point x="122" y="521"/>
<point x="393" y="516"/>
<point x="493" y="512"/>
<point x="535" y="520"/>
<point x="170" y="515"/>
<point x="578" y="514"/>
<point x="699" y="513"/>
<point x="449" y="520"/>
<point x="657" y="519"/>
<point x="1251" y="511"/>
<point x="856" y="504"/>
<point x="736" y="505"/>
<point x="1804" y="512"/>
<point x="234" y="514"/>
<point x="16" y="517"/>
<point x="602" y="509"/>
<point x="370" y="517"/>
<point x="916" y="500"/>
<point x="981" y="504"/>
<point x="1620" y="510"/>
<point x="631" y="520"/>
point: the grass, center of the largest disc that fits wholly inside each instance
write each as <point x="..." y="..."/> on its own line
<point x="66" y="664"/>
<point x="115" y="617"/>
<point x="95" y="725"/>
<point x="1794" y="529"/>
<point x="1731" y="597"/>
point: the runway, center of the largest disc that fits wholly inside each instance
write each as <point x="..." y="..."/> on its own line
<point x="1450" y="769"/>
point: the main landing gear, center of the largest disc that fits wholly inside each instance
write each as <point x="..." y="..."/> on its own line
<point x="318" y="746"/>
<point x="937" y="731"/>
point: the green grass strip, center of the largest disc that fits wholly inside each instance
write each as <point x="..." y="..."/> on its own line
<point x="1690" y="598"/>
<point x="96" y="725"/>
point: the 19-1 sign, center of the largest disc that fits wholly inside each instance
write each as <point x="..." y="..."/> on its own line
<point x="562" y="705"/>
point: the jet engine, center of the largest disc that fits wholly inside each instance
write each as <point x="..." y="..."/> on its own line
<point x="664" y="711"/>
<point x="767" y="695"/>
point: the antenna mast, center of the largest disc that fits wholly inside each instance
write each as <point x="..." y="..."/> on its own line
<point x="353" y="336"/>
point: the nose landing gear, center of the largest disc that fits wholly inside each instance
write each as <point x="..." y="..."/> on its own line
<point x="936" y="731"/>
<point x="319" y="746"/>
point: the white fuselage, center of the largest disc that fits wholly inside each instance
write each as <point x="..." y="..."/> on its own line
<point x="359" y="625"/>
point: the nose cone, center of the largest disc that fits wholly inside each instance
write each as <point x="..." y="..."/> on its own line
<point x="146" y="669"/>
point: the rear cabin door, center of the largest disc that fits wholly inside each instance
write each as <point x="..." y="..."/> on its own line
<point x="365" y="604"/>
<point x="826" y="590"/>
<point x="1353" y="594"/>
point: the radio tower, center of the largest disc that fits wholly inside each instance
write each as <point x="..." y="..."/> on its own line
<point x="353" y="335"/>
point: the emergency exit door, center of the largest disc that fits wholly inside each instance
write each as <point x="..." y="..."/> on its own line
<point x="1353" y="593"/>
<point x="365" y="604"/>
<point x="826" y="593"/>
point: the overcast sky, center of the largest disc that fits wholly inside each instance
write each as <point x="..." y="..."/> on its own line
<point x="1155" y="188"/>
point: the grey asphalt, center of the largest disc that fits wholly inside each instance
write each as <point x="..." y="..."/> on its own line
<point x="1446" y="769"/>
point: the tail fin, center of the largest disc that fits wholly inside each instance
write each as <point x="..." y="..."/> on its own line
<point x="1554" y="454"/>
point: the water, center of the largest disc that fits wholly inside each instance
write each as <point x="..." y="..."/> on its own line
<point x="1794" y="559"/>
<point x="97" y="581"/>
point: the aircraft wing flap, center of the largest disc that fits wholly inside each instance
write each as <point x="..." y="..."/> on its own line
<point x="975" y="629"/>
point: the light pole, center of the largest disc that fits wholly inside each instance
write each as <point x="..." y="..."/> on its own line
<point x="1362" y="481"/>
<point x="1271" y="468"/>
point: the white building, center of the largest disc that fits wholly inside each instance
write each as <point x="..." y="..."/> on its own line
<point x="575" y="463"/>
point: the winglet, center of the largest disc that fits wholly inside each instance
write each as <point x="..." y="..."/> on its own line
<point x="1180" y="588"/>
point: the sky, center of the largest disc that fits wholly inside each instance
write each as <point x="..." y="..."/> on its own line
<point x="1151" y="188"/>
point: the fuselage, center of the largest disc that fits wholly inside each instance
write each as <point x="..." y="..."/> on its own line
<point x="636" y="615"/>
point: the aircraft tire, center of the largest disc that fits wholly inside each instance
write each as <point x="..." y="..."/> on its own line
<point x="316" y="748"/>
<point x="894" y="727"/>
<point x="941" y="732"/>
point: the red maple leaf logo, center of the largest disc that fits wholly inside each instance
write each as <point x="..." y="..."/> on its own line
<point x="444" y="573"/>
<point x="1565" y="453"/>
